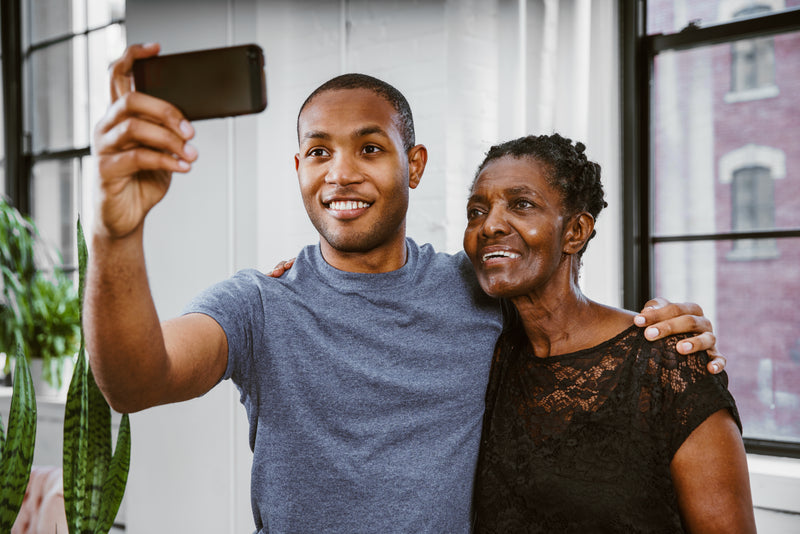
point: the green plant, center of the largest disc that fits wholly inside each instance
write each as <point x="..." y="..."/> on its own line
<point x="94" y="480"/>
<point x="39" y="311"/>
<point x="16" y="447"/>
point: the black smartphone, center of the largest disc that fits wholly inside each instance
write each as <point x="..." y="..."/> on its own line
<point x="207" y="84"/>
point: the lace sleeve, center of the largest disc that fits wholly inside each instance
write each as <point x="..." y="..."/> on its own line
<point x="690" y="393"/>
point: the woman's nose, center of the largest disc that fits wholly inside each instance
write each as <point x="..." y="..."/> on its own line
<point x="495" y="223"/>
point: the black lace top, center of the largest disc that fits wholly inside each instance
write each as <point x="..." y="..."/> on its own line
<point x="583" y="442"/>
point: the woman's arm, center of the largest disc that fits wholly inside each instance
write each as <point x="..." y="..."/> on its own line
<point x="709" y="472"/>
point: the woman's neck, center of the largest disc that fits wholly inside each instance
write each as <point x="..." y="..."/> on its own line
<point x="561" y="321"/>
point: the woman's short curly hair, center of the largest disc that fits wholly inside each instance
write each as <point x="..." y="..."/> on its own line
<point x="568" y="170"/>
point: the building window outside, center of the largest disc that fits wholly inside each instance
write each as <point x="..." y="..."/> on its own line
<point x="752" y="63"/>
<point x="753" y="208"/>
<point x="721" y="167"/>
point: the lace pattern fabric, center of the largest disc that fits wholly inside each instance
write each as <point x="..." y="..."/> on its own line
<point x="582" y="442"/>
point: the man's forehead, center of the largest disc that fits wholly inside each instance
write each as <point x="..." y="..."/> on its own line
<point x="362" y="111"/>
<point x="358" y="98"/>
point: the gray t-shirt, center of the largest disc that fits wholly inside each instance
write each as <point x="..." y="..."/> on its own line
<point x="364" y="392"/>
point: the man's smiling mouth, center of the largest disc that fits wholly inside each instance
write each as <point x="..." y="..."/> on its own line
<point x="345" y="205"/>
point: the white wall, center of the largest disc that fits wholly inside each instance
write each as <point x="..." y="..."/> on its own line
<point x="474" y="75"/>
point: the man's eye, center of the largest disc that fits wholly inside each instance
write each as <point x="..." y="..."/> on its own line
<point x="317" y="152"/>
<point x="371" y="149"/>
<point x="523" y="204"/>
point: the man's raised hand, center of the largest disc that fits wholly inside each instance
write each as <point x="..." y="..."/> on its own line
<point x="138" y="144"/>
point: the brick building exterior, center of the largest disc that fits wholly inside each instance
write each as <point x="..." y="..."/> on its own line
<point x="738" y="152"/>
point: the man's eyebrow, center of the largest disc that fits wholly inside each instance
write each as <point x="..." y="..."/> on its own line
<point x="369" y="130"/>
<point x="316" y="134"/>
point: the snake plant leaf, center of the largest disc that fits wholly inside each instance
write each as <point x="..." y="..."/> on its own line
<point x="16" y="457"/>
<point x="76" y="448"/>
<point x="94" y="480"/>
<point x="116" y="477"/>
<point x="99" y="423"/>
<point x="83" y="258"/>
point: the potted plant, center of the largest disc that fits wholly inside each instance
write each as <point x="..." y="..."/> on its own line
<point x="39" y="310"/>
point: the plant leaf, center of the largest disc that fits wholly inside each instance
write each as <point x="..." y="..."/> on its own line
<point x="83" y="257"/>
<point x="17" y="457"/>
<point x="75" y="456"/>
<point x="99" y="435"/>
<point x="116" y="477"/>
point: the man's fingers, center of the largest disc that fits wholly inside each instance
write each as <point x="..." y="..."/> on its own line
<point x="706" y="341"/>
<point x="716" y="363"/>
<point x="678" y="325"/>
<point x="147" y="108"/>
<point x="281" y="268"/>
<point x="121" y="70"/>
<point x="133" y="132"/>
<point x="667" y="310"/>
<point x="138" y="159"/>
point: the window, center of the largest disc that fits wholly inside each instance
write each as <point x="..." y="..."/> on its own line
<point x="63" y="50"/>
<point x="752" y="63"/>
<point x="712" y="189"/>
<point x="753" y="208"/>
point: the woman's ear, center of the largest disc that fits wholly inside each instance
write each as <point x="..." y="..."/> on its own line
<point x="579" y="230"/>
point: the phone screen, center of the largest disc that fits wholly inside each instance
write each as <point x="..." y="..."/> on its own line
<point x="206" y="84"/>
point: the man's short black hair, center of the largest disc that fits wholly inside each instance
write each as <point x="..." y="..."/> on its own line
<point x="380" y="88"/>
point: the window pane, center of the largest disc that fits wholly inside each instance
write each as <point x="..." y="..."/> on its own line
<point x="49" y="19"/>
<point x="704" y="136"/>
<point x="671" y="16"/>
<point x="54" y="194"/>
<point x="105" y="46"/>
<point x="753" y="308"/>
<point x="57" y="96"/>
<point x="102" y="12"/>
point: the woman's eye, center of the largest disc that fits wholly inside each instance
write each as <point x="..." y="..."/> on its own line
<point x="472" y="213"/>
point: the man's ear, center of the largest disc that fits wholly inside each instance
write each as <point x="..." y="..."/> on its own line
<point x="296" y="162"/>
<point x="578" y="230"/>
<point x="417" y="158"/>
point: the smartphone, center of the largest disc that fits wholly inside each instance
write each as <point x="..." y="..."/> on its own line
<point x="206" y="84"/>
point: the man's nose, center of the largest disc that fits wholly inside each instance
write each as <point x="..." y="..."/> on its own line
<point x="343" y="170"/>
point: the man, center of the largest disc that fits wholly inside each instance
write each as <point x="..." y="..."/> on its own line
<point x="363" y="370"/>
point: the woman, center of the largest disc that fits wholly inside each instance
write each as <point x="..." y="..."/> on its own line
<point x="588" y="427"/>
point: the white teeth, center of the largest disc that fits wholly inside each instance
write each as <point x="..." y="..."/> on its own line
<point x="343" y="205"/>
<point x="499" y="254"/>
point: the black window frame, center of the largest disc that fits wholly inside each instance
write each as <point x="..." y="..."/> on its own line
<point x="637" y="55"/>
<point x="19" y="157"/>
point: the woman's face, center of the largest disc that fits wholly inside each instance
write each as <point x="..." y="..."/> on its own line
<point x="515" y="227"/>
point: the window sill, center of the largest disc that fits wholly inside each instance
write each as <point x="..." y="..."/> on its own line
<point x="775" y="484"/>
<point x="759" y="93"/>
<point x="752" y="254"/>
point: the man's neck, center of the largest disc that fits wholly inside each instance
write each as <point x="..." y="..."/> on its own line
<point x="383" y="259"/>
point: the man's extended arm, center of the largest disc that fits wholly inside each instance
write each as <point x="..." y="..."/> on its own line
<point x="139" y="362"/>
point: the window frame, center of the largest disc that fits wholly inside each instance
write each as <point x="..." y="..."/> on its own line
<point x="20" y="157"/>
<point x="637" y="56"/>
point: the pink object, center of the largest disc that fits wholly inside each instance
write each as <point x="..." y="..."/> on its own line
<point x="42" y="510"/>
